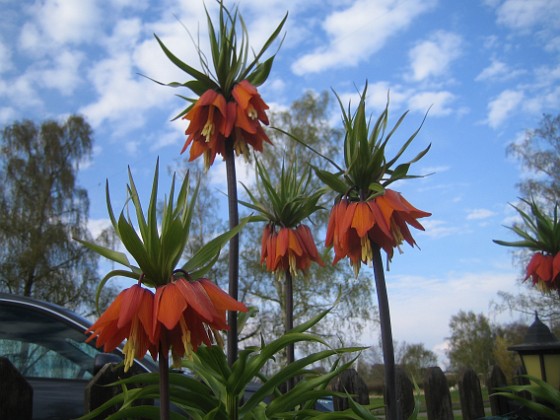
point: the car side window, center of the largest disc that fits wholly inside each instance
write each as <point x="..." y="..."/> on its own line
<point x="36" y="361"/>
<point x="40" y="345"/>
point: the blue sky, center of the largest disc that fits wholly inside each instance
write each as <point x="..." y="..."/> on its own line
<point x="488" y="69"/>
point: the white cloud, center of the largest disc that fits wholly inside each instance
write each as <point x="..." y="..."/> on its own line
<point x="6" y="114"/>
<point x="526" y="15"/>
<point x="359" y="31"/>
<point x="432" y="58"/>
<point x="500" y="108"/>
<point x="438" y="103"/>
<point x="438" y="229"/>
<point x="497" y="71"/>
<point x="122" y="94"/>
<point x="96" y="226"/>
<point x="434" y="300"/>
<point x="64" y="76"/>
<point x="480" y="214"/>
<point x="61" y="22"/>
<point x="20" y="92"/>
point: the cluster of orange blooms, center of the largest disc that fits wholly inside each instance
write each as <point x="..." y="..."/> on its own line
<point x="288" y="249"/>
<point x="180" y="316"/>
<point x="213" y="120"/>
<point x="354" y="226"/>
<point x="544" y="271"/>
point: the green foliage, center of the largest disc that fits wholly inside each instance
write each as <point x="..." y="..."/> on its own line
<point x="230" y="57"/>
<point x="41" y="208"/>
<point x="367" y="171"/>
<point x="415" y="358"/>
<point x="287" y="202"/>
<point x="217" y="391"/>
<point x="471" y="342"/>
<point x="545" y="399"/>
<point x="539" y="232"/>
<point x="157" y="251"/>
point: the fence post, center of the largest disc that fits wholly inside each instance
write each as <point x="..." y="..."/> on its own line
<point x="438" y="398"/>
<point x="351" y="382"/>
<point x="470" y="394"/>
<point x="16" y="395"/>
<point x="499" y="405"/>
<point x="405" y="394"/>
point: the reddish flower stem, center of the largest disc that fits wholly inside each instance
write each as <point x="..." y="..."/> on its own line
<point x="232" y="338"/>
<point x="289" y="321"/>
<point x="163" y="385"/>
<point x="392" y="410"/>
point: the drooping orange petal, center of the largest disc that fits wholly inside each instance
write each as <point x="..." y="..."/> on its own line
<point x="282" y="243"/>
<point x="306" y="238"/>
<point x="293" y="242"/>
<point x="380" y="221"/>
<point x="271" y="251"/>
<point x="243" y="92"/>
<point x="169" y="305"/>
<point x="221" y="299"/>
<point x="242" y="121"/>
<point x="363" y="219"/>
<point x="264" y="241"/>
<point x="132" y="298"/>
<point x="544" y="270"/>
<point x="197" y="298"/>
<point x="532" y="266"/>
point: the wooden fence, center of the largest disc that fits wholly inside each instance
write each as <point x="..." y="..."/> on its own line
<point x="437" y="395"/>
<point x="16" y="394"/>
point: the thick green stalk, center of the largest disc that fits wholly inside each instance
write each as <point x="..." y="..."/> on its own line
<point x="392" y="410"/>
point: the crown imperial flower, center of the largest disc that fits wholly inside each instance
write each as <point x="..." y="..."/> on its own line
<point x="366" y="212"/>
<point x="227" y="90"/>
<point x="541" y="235"/>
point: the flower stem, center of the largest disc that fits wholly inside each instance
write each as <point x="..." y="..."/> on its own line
<point x="392" y="410"/>
<point x="232" y="338"/>
<point x="289" y="322"/>
<point x="163" y="385"/>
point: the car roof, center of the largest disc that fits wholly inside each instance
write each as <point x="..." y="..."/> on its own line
<point x="54" y="309"/>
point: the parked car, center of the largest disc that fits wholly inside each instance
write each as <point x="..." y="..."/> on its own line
<point x="46" y="343"/>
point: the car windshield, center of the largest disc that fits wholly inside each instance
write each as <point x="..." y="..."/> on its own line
<point x="40" y="345"/>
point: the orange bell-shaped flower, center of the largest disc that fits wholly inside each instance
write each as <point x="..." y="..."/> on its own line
<point x="130" y="317"/>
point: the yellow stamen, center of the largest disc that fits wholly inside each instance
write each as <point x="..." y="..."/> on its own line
<point x="367" y="253"/>
<point x="241" y="148"/>
<point x="356" y="268"/>
<point x="396" y="231"/>
<point x="186" y="338"/>
<point x="292" y="260"/>
<point x="130" y="346"/>
<point x="207" y="160"/>
<point x="252" y="112"/>
<point x="207" y="131"/>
